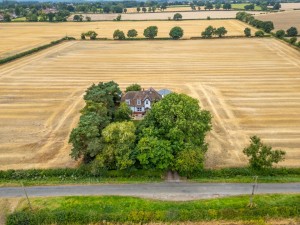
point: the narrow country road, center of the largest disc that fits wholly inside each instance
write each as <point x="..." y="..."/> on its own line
<point x="165" y="191"/>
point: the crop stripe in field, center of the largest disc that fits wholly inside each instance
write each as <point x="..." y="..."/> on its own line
<point x="20" y="62"/>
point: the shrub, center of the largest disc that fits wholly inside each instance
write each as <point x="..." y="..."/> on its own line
<point x="280" y="34"/>
<point x="293" y="40"/>
<point x="151" y="32"/>
<point x="176" y="33"/>
<point x="262" y="156"/>
<point x="132" y="33"/>
<point x="119" y="35"/>
<point x="92" y="34"/>
<point x="119" y="17"/>
<point x="259" y="33"/>
<point x="177" y="16"/>
<point x="82" y="36"/>
<point x="247" y="32"/>
<point x="292" y="32"/>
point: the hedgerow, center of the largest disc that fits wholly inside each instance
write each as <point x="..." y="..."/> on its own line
<point x="34" y="50"/>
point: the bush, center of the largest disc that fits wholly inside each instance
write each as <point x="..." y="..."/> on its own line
<point x="293" y="40"/>
<point x="132" y="33"/>
<point x="208" y="33"/>
<point x="262" y="156"/>
<point x="247" y="32"/>
<point x="280" y="34"/>
<point x="259" y="33"/>
<point x="176" y="33"/>
<point x="119" y="35"/>
<point x="177" y="16"/>
<point x="151" y="32"/>
<point x="292" y="32"/>
<point x="221" y="31"/>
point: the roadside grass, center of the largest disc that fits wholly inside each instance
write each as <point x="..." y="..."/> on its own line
<point x="95" y="209"/>
<point x="87" y="175"/>
<point x="20" y="19"/>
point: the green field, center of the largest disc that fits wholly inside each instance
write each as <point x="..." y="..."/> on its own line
<point x="241" y="6"/>
<point x="85" y="210"/>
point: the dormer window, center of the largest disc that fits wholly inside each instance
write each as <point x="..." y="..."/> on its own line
<point x="128" y="101"/>
<point x="138" y="102"/>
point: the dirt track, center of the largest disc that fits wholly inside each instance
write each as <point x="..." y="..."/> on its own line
<point x="251" y="88"/>
<point x="18" y="37"/>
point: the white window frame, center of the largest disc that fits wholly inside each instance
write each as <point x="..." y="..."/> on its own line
<point x="138" y="101"/>
<point x="139" y="109"/>
<point x="127" y="101"/>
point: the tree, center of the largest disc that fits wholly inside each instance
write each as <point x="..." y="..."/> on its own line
<point x="227" y="6"/>
<point x="249" y="7"/>
<point x="134" y="87"/>
<point x="177" y="16"/>
<point x="208" y="32"/>
<point x="106" y="9"/>
<point x="144" y="9"/>
<point x="88" y="18"/>
<point x="221" y="31"/>
<point x="119" y="17"/>
<point x="138" y="9"/>
<point x="259" y="33"/>
<point x="125" y="10"/>
<point x="107" y="93"/>
<point x="209" y="6"/>
<point x="280" y="34"/>
<point x="119" y="35"/>
<point x="123" y="113"/>
<point x="247" y="32"/>
<point x="132" y="33"/>
<point x="6" y="17"/>
<point x="174" y="125"/>
<point x="151" y="32"/>
<point x="164" y="6"/>
<point x="277" y="6"/>
<point x="85" y="138"/>
<point x="92" y="34"/>
<point x="118" y="141"/>
<point x="218" y="6"/>
<point x="262" y="156"/>
<point x="78" y="18"/>
<point x="268" y="26"/>
<point x="117" y="9"/>
<point x="292" y="32"/>
<point x="176" y="33"/>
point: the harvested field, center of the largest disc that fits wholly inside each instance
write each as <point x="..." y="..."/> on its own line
<point x="282" y="20"/>
<point x="251" y="88"/>
<point x="36" y="34"/>
<point x="221" y="14"/>
<point x="290" y="6"/>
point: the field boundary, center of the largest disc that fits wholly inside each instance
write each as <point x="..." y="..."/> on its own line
<point x="34" y="50"/>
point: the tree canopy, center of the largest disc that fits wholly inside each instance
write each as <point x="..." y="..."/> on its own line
<point x="176" y="33"/>
<point x="178" y="123"/>
<point x="151" y="32"/>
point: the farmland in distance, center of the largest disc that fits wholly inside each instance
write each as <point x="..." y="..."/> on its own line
<point x="23" y="36"/>
<point x="252" y="88"/>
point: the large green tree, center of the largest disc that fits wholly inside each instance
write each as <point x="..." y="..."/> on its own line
<point x="118" y="142"/>
<point x="176" y="33"/>
<point x="178" y="123"/>
<point x="151" y="32"/>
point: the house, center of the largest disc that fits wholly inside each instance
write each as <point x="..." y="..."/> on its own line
<point x="141" y="101"/>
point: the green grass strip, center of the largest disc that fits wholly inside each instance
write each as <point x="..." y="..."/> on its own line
<point x="85" y="210"/>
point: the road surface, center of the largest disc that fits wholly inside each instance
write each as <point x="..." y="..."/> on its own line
<point x="163" y="191"/>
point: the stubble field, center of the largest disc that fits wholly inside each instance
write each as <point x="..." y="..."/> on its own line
<point x="251" y="86"/>
<point x="282" y="20"/>
<point x="18" y="37"/>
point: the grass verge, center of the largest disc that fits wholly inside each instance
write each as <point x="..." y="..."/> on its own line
<point x="86" y="175"/>
<point x="85" y="210"/>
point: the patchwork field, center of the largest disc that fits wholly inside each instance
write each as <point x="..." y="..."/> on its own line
<point x="23" y="36"/>
<point x="251" y="88"/>
<point x="283" y="20"/>
<point x="222" y="14"/>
